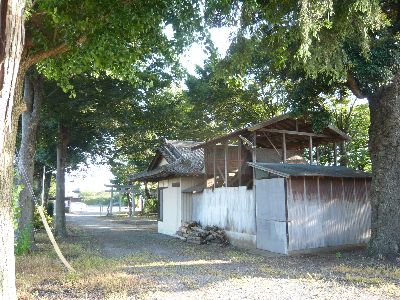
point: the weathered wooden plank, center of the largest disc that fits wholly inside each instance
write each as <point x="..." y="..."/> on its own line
<point x="292" y="132"/>
<point x="284" y="147"/>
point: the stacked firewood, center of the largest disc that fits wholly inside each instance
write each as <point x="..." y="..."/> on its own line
<point x="193" y="232"/>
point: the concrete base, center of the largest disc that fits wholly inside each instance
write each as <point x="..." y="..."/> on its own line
<point x="331" y="249"/>
<point x="241" y="240"/>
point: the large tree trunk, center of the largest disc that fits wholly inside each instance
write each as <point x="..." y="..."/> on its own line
<point x="11" y="47"/>
<point x="60" y="229"/>
<point x="385" y="188"/>
<point x="33" y="97"/>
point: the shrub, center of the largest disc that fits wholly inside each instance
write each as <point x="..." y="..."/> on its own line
<point x="150" y="206"/>
<point x="37" y="220"/>
<point x="23" y="242"/>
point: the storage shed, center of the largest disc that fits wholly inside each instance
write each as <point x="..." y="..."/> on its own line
<point x="265" y="185"/>
<point x="303" y="207"/>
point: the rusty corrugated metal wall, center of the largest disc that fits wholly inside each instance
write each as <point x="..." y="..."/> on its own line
<point x="325" y="212"/>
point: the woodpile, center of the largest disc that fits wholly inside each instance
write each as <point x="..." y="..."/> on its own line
<point x="194" y="233"/>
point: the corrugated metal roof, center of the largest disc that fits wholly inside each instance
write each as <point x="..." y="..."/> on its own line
<point x="288" y="170"/>
<point x="182" y="161"/>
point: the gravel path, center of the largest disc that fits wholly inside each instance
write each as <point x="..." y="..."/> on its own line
<point x="178" y="270"/>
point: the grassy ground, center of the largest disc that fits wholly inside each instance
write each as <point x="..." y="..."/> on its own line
<point x="191" y="269"/>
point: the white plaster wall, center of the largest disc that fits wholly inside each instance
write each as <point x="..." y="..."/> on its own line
<point x="171" y="207"/>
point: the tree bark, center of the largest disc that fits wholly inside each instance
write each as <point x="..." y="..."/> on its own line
<point x="33" y="97"/>
<point x="385" y="188"/>
<point x="60" y="228"/>
<point x="11" y="47"/>
<point x="343" y="160"/>
<point x="47" y="182"/>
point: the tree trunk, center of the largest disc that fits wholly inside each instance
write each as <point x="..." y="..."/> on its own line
<point x="60" y="229"/>
<point x="385" y="188"/>
<point x="147" y="191"/>
<point x="343" y="161"/>
<point x="47" y="182"/>
<point x="33" y="97"/>
<point x="11" y="47"/>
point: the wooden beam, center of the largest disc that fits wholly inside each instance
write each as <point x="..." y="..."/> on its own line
<point x="254" y="158"/>
<point x="296" y="133"/>
<point x="254" y="147"/>
<point x="310" y="150"/>
<point x="118" y="186"/>
<point x="214" y="166"/>
<point x="284" y="147"/>
<point x="272" y="144"/>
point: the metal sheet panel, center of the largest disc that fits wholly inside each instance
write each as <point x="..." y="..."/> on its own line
<point x="338" y="214"/>
<point x="270" y="199"/>
<point x="305" y="224"/>
<point x="271" y="215"/>
<point x="231" y="208"/>
<point x="271" y="236"/>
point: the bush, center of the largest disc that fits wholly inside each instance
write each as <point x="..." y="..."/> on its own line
<point x="37" y="220"/>
<point x="23" y="242"/>
<point x="150" y="206"/>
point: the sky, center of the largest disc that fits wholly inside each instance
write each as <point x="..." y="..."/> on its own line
<point x="97" y="175"/>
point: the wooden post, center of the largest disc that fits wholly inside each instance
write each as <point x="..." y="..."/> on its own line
<point x="119" y="200"/>
<point x="214" y="160"/>
<point x="240" y="161"/>
<point x="111" y="202"/>
<point x="255" y="147"/>
<point x="226" y="163"/>
<point x="284" y="147"/>
<point x="310" y="149"/>
<point x="334" y="154"/>
<point x="254" y="154"/>
<point x="133" y="204"/>
<point x="317" y="154"/>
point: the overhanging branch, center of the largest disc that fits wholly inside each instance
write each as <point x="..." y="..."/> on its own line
<point x="353" y="86"/>
<point x="62" y="48"/>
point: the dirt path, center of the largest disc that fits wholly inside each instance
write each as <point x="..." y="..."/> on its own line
<point x="120" y="237"/>
<point x="177" y="270"/>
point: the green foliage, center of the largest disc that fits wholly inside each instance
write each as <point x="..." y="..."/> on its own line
<point x="150" y="206"/>
<point x="37" y="220"/>
<point x="94" y="198"/>
<point x="16" y="210"/>
<point x="313" y="48"/>
<point x="23" y="241"/>
<point x="123" y="38"/>
<point x="357" y="148"/>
